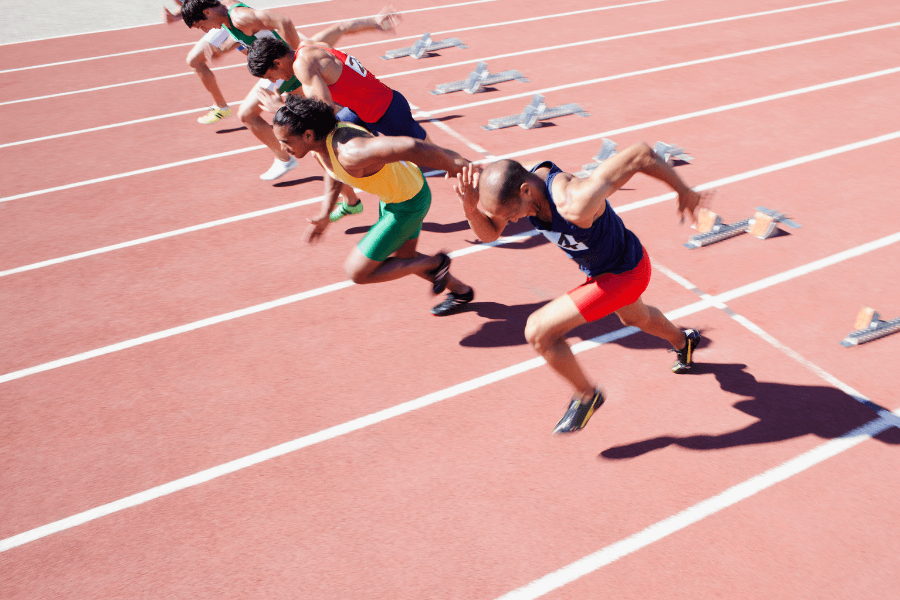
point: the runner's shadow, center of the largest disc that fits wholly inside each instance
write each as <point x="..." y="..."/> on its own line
<point x="293" y="182"/>
<point x="232" y="130"/>
<point x="783" y="412"/>
<point x="445" y="228"/>
<point x="507" y="328"/>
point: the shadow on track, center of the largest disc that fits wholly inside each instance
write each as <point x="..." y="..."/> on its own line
<point x="782" y="411"/>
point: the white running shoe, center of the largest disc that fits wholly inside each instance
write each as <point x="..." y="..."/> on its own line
<point x="278" y="168"/>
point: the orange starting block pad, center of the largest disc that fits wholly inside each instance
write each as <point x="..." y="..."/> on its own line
<point x="868" y="327"/>
<point x="761" y="225"/>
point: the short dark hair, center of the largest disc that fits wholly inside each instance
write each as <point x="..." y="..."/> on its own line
<point x="513" y="176"/>
<point x="192" y="10"/>
<point x="263" y="53"/>
<point x="300" y="114"/>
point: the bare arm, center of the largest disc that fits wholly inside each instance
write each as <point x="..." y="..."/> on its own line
<point x="319" y="223"/>
<point x="386" y="20"/>
<point x="366" y="155"/>
<point x="309" y="70"/>
<point x="172" y="16"/>
<point x="486" y="228"/>
<point x="251" y="20"/>
<point x="586" y="198"/>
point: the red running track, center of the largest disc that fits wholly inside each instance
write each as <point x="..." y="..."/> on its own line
<point x="470" y="497"/>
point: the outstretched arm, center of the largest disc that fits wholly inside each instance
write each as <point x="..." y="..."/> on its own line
<point x="486" y="228"/>
<point x="386" y="20"/>
<point x="587" y="197"/>
<point x="251" y="20"/>
<point x="366" y="155"/>
<point x="172" y="16"/>
<point x="319" y="223"/>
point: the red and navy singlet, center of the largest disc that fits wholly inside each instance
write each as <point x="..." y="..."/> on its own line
<point x="607" y="246"/>
<point x="358" y="89"/>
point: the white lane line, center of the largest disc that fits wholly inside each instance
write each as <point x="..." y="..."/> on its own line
<point x="340" y="430"/>
<point x="705" y="112"/>
<point x="390" y="40"/>
<point x="680" y="65"/>
<point x="700" y="511"/>
<point x="759" y="331"/>
<point x="506" y="98"/>
<point x="620" y="209"/>
<point x="179" y="163"/>
<point x="467" y="62"/>
<point x="691" y="115"/>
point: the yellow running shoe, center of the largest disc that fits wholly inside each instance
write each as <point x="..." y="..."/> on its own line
<point x="215" y="115"/>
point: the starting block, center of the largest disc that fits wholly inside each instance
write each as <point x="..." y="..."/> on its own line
<point x="607" y="150"/>
<point x="534" y="113"/>
<point x="477" y="80"/>
<point x="712" y="230"/>
<point x="423" y="46"/>
<point x="869" y="327"/>
<point x="671" y="154"/>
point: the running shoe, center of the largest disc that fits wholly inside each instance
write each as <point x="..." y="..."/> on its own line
<point x="579" y="413"/>
<point x="686" y="355"/>
<point x="439" y="274"/>
<point x="278" y="168"/>
<point x="343" y="209"/>
<point x="453" y="303"/>
<point x="215" y="115"/>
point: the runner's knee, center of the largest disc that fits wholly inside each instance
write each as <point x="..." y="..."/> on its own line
<point x="538" y="334"/>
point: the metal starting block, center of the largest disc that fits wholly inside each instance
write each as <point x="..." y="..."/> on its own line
<point x="869" y="327"/>
<point x="534" y="113"/>
<point x="712" y="230"/>
<point x="671" y="154"/>
<point x="423" y="46"/>
<point x="477" y="80"/>
<point x="607" y="150"/>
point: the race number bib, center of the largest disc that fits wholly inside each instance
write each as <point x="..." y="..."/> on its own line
<point x="567" y="242"/>
<point x="354" y="64"/>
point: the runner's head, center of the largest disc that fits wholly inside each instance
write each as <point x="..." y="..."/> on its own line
<point x="198" y="13"/>
<point x="262" y="56"/>
<point x="506" y="190"/>
<point x="302" y="124"/>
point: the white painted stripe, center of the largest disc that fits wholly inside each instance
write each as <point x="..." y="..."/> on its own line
<point x="680" y="65"/>
<point x="391" y="40"/>
<point x="703" y="113"/>
<point x="332" y="433"/>
<point x="616" y="37"/>
<point x="468" y="62"/>
<point x="543" y="148"/>
<point x="510" y="96"/>
<point x="620" y="209"/>
<point x="698" y="512"/>
<point x="131" y="173"/>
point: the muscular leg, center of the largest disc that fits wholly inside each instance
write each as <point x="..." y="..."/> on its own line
<point x="362" y="269"/>
<point x="250" y="113"/>
<point x="196" y="60"/>
<point x="651" y="320"/>
<point x="546" y="331"/>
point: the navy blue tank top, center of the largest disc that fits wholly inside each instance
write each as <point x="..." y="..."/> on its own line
<point x="607" y="246"/>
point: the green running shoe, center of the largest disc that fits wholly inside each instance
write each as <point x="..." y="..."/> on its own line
<point x="343" y="209"/>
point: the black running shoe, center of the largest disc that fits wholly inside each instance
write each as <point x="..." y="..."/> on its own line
<point x="686" y="355"/>
<point x="579" y="413"/>
<point x="439" y="275"/>
<point x="453" y="303"/>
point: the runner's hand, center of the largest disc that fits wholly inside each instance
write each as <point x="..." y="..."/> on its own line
<point x="170" y="17"/>
<point x="269" y="100"/>
<point x="317" y="227"/>
<point x="388" y="18"/>
<point x="690" y="202"/>
<point x="467" y="187"/>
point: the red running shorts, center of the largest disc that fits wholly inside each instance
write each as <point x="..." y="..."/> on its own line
<point x="607" y="293"/>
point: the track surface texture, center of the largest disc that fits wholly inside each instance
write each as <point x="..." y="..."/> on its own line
<point x="194" y="403"/>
